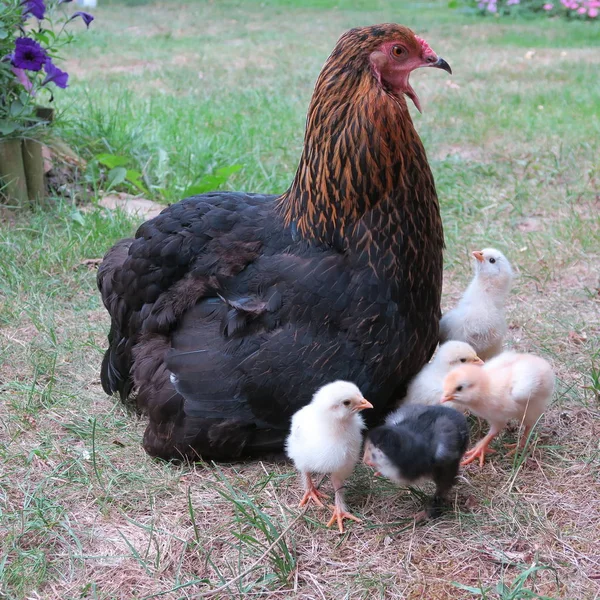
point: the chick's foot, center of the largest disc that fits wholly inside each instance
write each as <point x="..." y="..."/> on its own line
<point x="339" y="514"/>
<point x="311" y="493"/>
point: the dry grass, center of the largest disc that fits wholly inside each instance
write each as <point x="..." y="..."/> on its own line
<point x="84" y="513"/>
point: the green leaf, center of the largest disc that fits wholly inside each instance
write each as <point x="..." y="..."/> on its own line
<point x="453" y="4"/>
<point x="212" y="182"/>
<point x="111" y="160"/>
<point x="135" y="178"/>
<point x="42" y="37"/>
<point x="16" y="108"/>
<point x="77" y="217"/>
<point x="227" y="171"/>
<point x="116" y="176"/>
<point x="3" y="33"/>
<point x="7" y="127"/>
<point x="468" y="588"/>
<point x="194" y="190"/>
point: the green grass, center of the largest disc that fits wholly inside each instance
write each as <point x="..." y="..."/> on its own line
<point x="184" y="88"/>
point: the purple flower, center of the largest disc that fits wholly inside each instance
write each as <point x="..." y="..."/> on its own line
<point x="28" y="54"/>
<point x="23" y="79"/>
<point x="55" y="75"/>
<point x="35" y="7"/>
<point x="87" y="18"/>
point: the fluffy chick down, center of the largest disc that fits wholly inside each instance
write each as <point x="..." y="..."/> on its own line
<point x="479" y="317"/>
<point x="420" y="443"/>
<point x="326" y="437"/>
<point x="510" y="386"/>
<point x="426" y="387"/>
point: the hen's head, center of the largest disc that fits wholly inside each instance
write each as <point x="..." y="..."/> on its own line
<point x="391" y="52"/>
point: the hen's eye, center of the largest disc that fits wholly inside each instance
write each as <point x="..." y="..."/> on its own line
<point x="459" y="388"/>
<point x="492" y="260"/>
<point x="463" y="360"/>
<point x="398" y="50"/>
<point x="346" y="402"/>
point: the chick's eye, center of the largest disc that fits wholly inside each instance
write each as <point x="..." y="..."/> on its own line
<point x="459" y="388"/>
<point x="346" y="402"/>
<point x="463" y="360"/>
<point x="397" y="51"/>
<point x="492" y="260"/>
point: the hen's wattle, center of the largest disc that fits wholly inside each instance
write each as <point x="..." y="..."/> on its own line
<point x="229" y="310"/>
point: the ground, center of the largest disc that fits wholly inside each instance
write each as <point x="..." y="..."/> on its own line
<point x="184" y="88"/>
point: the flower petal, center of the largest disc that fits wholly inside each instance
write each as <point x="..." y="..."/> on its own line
<point x="87" y="18"/>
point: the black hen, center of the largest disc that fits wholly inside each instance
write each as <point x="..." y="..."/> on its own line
<point x="229" y="309"/>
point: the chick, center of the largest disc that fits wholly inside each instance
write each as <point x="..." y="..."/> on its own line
<point x="479" y="318"/>
<point x="420" y="442"/>
<point x="510" y="386"/>
<point x="326" y="437"/>
<point x="426" y="387"/>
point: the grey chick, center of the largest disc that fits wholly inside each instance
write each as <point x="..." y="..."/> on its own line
<point x="478" y="319"/>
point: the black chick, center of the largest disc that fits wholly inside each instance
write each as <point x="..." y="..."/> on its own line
<point x="420" y="442"/>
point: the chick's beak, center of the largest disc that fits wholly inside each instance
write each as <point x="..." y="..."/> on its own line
<point x="478" y="254"/>
<point x="362" y="404"/>
<point x="447" y="398"/>
<point x="367" y="456"/>
<point x="478" y="361"/>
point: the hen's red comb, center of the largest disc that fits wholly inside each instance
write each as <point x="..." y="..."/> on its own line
<point x="426" y="47"/>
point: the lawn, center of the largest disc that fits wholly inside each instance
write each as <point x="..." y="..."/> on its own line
<point x="182" y="89"/>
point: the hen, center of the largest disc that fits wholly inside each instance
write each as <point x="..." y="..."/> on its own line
<point x="229" y="310"/>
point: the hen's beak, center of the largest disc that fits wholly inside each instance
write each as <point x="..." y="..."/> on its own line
<point x="362" y="404"/>
<point x="447" y="398"/>
<point x="478" y="254"/>
<point x="442" y="64"/>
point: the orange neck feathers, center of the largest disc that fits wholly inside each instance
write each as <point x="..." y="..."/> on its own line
<point x="360" y="150"/>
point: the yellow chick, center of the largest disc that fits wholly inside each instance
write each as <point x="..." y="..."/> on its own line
<point x="479" y="318"/>
<point x="426" y="387"/>
<point x="510" y="386"/>
<point x="326" y="437"/>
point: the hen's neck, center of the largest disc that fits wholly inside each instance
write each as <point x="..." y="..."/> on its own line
<point x="361" y="152"/>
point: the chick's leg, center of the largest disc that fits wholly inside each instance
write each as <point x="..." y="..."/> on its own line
<point x="480" y="449"/>
<point x="311" y="492"/>
<point x="522" y="442"/>
<point x="339" y="510"/>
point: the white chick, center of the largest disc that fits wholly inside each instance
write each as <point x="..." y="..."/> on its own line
<point x="479" y="318"/>
<point x="426" y="387"/>
<point x="326" y="437"/>
<point x="510" y="386"/>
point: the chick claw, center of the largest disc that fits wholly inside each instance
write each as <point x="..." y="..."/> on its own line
<point x="514" y="448"/>
<point x="315" y="495"/>
<point x="339" y="515"/>
<point x="474" y="453"/>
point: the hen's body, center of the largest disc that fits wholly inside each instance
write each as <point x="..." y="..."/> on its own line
<point x="229" y="310"/>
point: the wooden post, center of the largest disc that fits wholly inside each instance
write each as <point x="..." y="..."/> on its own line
<point x="13" y="184"/>
<point x="33" y="163"/>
